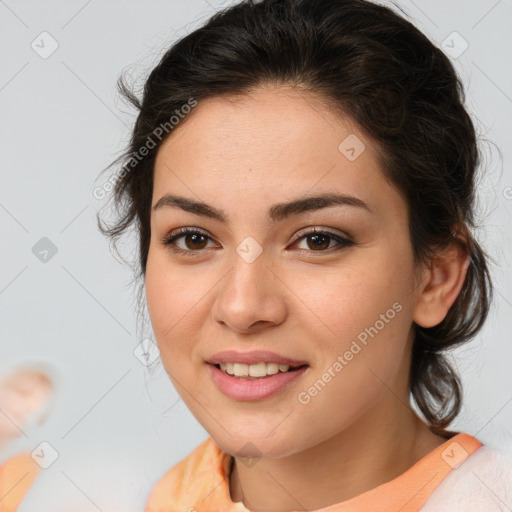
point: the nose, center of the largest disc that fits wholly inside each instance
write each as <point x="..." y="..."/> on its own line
<point x="251" y="296"/>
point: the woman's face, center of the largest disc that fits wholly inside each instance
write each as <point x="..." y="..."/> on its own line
<point x="257" y="281"/>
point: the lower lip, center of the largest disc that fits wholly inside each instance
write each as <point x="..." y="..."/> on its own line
<point x="242" y="389"/>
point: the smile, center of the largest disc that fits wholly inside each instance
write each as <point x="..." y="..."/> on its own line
<point x="254" y="370"/>
<point x="253" y="382"/>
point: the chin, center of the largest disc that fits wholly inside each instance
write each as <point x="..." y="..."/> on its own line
<point x="256" y="447"/>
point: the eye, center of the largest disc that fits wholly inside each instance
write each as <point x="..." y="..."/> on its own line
<point x="195" y="240"/>
<point x="321" y="240"/>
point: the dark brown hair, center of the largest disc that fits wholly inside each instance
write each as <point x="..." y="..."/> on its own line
<point x="375" y="66"/>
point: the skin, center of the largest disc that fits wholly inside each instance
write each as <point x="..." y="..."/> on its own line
<point x="243" y="155"/>
<point x="23" y="392"/>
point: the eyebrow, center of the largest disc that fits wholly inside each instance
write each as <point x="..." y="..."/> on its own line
<point x="277" y="212"/>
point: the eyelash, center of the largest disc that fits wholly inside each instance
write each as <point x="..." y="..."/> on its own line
<point x="170" y="239"/>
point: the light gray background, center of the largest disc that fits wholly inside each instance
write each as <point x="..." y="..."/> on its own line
<point x="116" y="427"/>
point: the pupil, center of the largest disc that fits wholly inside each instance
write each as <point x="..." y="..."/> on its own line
<point x="194" y="236"/>
<point x="318" y="244"/>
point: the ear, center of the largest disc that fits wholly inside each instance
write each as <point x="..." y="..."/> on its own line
<point x="441" y="286"/>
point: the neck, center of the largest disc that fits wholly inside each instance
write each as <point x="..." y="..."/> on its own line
<point x="360" y="458"/>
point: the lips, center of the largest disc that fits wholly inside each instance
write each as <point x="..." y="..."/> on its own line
<point x="253" y="357"/>
<point x="253" y="389"/>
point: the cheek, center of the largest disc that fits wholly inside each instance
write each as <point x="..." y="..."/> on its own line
<point x="157" y="292"/>
<point x="344" y="300"/>
<point x="361" y="353"/>
<point x="363" y="310"/>
<point x="177" y="304"/>
<point x="166" y="297"/>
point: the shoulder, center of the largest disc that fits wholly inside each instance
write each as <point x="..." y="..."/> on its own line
<point x="190" y="479"/>
<point x="482" y="482"/>
<point x="17" y="475"/>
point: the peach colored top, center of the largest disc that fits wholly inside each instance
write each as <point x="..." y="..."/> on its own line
<point x="200" y="482"/>
<point x="16" y="477"/>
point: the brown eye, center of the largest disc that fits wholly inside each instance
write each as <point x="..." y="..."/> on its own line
<point x="194" y="240"/>
<point x="319" y="241"/>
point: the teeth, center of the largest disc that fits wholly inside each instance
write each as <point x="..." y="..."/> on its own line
<point x="253" y="370"/>
<point x="258" y="370"/>
<point x="272" y="368"/>
<point x="241" y="370"/>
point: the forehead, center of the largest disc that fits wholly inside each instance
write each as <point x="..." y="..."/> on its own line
<point x="270" y="144"/>
<point x="270" y="122"/>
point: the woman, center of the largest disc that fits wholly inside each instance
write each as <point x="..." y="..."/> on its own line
<point x="301" y="176"/>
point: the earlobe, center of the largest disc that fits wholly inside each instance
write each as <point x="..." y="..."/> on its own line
<point x="442" y="286"/>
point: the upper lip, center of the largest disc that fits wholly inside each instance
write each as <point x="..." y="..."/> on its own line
<point x="253" y="357"/>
